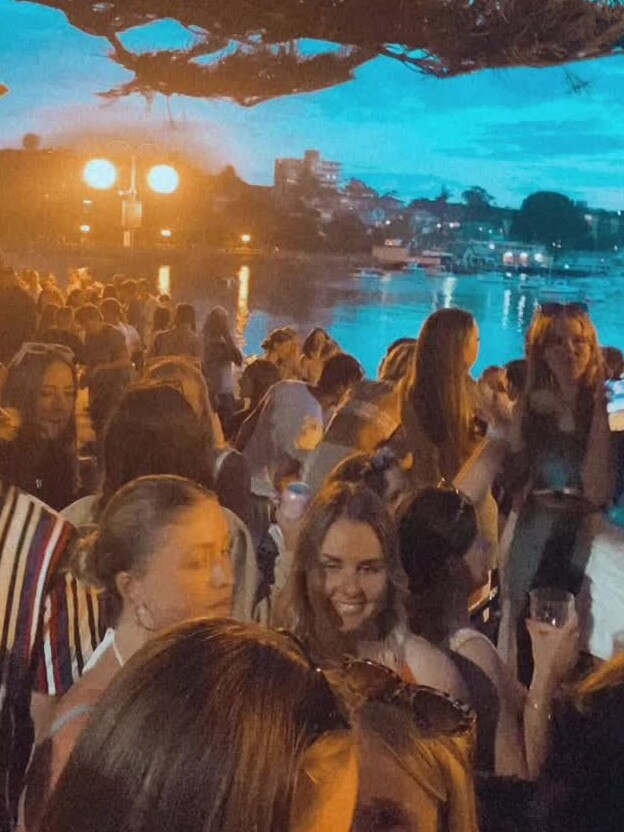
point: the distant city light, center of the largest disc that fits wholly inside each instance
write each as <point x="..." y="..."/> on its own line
<point x="163" y="179"/>
<point x="87" y="203"/>
<point x="100" y="174"/>
<point x="539" y="257"/>
<point x="492" y="246"/>
<point x="245" y="238"/>
<point x="165" y="232"/>
<point x="85" y="229"/>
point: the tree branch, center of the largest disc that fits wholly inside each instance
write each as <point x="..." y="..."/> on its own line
<point x="243" y="49"/>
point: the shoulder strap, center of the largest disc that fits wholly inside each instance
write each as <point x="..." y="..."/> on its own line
<point x="75" y="713"/>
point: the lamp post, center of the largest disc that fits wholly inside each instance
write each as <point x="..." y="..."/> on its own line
<point x="102" y="174"/>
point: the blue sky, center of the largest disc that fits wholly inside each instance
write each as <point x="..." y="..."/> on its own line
<point x="511" y="132"/>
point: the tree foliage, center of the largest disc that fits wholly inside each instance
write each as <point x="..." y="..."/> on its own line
<point x="551" y="218"/>
<point x="251" y="52"/>
<point x="478" y="203"/>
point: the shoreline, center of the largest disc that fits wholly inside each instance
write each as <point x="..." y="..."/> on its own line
<point x="120" y="259"/>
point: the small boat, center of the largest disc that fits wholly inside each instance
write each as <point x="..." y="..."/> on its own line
<point x="366" y="271"/>
<point x="533" y="282"/>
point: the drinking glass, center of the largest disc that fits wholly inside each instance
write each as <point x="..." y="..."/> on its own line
<point x="551" y="606"/>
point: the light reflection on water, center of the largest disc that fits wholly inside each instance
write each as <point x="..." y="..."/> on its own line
<point x="242" y="306"/>
<point x="366" y="314"/>
<point x="164" y="280"/>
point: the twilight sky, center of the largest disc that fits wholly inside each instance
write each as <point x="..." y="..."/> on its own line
<point x="511" y="132"/>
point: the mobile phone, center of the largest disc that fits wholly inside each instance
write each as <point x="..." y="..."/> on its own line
<point x="615" y="403"/>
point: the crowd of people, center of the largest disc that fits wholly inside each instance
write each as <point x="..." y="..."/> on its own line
<point x="274" y="595"/>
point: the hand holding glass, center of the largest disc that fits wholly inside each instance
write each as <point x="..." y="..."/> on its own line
<point x="550" y="605"/>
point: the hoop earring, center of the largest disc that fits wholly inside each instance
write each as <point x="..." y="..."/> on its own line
<point x="139" y="614"/>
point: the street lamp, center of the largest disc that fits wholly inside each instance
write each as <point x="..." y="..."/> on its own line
<point x="102" y="174"/>
<point x="165" y="233"/>
<point x="245" y="239"/>
<point x="163" y="179"/>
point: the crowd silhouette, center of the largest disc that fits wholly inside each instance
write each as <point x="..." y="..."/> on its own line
<point x="269" y="594"/>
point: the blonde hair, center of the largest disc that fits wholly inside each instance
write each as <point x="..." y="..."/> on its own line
<point x="398" y="363"/>
<point x="609" y="675"/>
<point x="182" y="368"/>
<point x="439" y="387"/>
<point x="539" y="375"/>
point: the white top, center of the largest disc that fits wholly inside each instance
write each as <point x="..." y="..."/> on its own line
<point x="601" y="601"/>
<point x="412" y="656"/>
<point x="290" y="425"/>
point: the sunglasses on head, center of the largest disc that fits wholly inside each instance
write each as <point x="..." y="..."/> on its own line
<point x="39" y="348"/>
<point x="572" y="310"/>
<point x="434" y="712"/>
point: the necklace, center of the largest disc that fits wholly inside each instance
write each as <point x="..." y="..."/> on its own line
<point x="117" y="652"/>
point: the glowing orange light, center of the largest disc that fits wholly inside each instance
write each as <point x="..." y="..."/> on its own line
<point x="85" y="229"/>
<point x="165" y="232"/>
<point x="245" y="238"/>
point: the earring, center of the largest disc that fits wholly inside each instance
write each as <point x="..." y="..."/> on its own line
<point x="139" y="616"/>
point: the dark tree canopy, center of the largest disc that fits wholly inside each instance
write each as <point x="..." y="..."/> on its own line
<point x="249" y="51"/>
<point x="478" y="203"/>
<point x="548" y="217"/>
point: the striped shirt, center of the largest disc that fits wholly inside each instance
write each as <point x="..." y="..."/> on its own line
<point x="72" y="629"/>
<point x="33" y="540"/>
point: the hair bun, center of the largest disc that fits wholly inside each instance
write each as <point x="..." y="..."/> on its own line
<point x="86" y="554"/>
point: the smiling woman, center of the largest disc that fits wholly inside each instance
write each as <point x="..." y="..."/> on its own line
<point x="346" y="590"/>
<point x="42" y="459"/>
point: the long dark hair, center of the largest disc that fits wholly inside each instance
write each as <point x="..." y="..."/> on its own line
<point x="300" y="606"/>
<point x="436" y="529"/>
<point x="30" y="457"/>
<point x="580" y="786"/>
<point x="154" y="430"/>
<point x="216" y="324"/>
<point x="438" y="387"/>
<point x="204" y="729"/>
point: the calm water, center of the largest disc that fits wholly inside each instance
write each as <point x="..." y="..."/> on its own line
<point x="366" y="314"/>
<point x="363" y="314"/>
